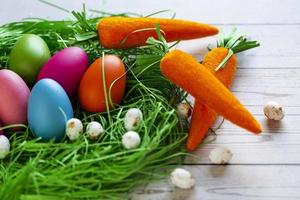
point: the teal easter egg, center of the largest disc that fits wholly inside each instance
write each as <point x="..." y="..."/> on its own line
<point x="49" y="109"/>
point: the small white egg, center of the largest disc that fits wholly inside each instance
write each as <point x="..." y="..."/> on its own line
<point x="184" y="109"/>
<point x="132" y="119"/>
<point x="94" y="130"/>
<point x="4" y="146"/>
<point x="220" y="155"/>
<point x="74" y="128"/>
<point x="274" y="111"/>
<point x="182" y="178"/>
<point x="131" y="140"/>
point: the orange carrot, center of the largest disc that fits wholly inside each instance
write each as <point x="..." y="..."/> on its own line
<point x="126" y="32"/>
<point x="203" y="117"/>
<point x="185" y="71"/>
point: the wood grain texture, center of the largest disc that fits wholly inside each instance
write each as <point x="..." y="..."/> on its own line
<point x="264" y="167"/>
<point x="254" y="182"/>
<point x="233" y="12"/>
<point x="279" y="46"/>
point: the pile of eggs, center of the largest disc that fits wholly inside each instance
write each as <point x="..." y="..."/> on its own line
<point x="53" y="82"/>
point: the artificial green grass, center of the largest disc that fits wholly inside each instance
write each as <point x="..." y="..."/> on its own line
<point x="100" y="169"/>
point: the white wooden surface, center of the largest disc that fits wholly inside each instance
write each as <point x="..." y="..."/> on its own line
<point x="263" y="167"/>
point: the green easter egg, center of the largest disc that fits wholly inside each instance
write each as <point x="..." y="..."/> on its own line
<point x="27" y="57"/>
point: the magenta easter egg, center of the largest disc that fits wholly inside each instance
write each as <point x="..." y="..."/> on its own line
<point x="14" y="94"/>
<point x="67" y="68"/>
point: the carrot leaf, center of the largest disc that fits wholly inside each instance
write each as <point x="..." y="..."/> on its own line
<point x="236" y="42"/>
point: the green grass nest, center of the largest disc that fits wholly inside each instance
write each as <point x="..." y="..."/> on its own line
<point x="100" y="169"/>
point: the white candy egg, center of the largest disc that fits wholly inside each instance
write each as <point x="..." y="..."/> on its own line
<point x="182" y="178"/>
<point x="4" y="146"/>
<point x="132" y="119"/>
<point x="74" y="128"/>
<point x="184" y="109"/>
<point x="94" y="130"/>
<point x="220" y="155"/>
<point x="131" y="140"/>
<point x="274" y="111"/>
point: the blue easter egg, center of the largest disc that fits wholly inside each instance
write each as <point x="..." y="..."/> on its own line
<point x="49" y="108"/>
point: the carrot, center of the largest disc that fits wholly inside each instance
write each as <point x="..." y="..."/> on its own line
<point x="126" y="32"/>
<point x="203" y="117"/>
<point x="185" y="71"/>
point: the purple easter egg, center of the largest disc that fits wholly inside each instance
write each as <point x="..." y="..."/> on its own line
<point x="67" y="68"/>
<point x="14" y="95"/>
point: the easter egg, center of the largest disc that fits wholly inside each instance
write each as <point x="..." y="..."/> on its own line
<point x="14" y="95"/>
<point x="67" y="68"/>
<point x="27" y="56"/>
<point x="91" y="90"/>
<point x="49" y="109"/>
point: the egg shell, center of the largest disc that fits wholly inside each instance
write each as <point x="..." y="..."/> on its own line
<point x="14" y="95"/>
<point x="91" y="89"/>
<point x="67" y="68"/>
<point x="49" y="109"/>
<point x="27" y="56"/>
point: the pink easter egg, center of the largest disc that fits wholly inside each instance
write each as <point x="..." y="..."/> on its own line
<point x="13" y="99"/>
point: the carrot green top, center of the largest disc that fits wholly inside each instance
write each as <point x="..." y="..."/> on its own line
<point x="236" y="42"/>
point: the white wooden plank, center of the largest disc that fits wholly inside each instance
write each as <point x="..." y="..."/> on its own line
<point x="254" y="87"/>
<point x="289" y="109"/>
<point x="290" y="124"/>
<point x="279" y="46"/>
<point x="257" y="86"/>
<point x="213" y="11"/>
<point x="246" y="149"/>
<point x="278" y="144"/>
<point x="218" y="11"/>
<point x="230" y="182"/>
